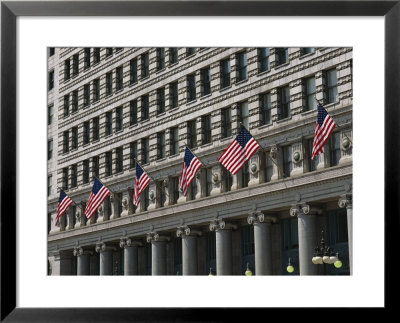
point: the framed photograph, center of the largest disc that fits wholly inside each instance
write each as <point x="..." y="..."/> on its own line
<point x="157" y="153"/>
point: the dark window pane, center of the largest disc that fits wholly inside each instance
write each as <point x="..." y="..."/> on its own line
<point x="242" y="66"/>
<point x="225" y="73"/>
<point x="263" y="58"/>
<point x="191" y="87"/>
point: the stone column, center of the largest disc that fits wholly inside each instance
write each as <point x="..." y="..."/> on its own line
<point x="223" y="236"/>
<point x="130" y="256"/>
<point x="276" y="156"/>
<point x="262" y="242"/>
<point x="158" y="253"/>
<point x="106" y="262"/>
<point x="254" y="168"/>
<point x="189" y="250"/>
<point x="61" y="262"/>
<point x="346" y="200"/>
<point x="83" y="261"/>
<point x="307" y="236"/>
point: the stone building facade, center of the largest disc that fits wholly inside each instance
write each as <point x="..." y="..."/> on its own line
<point x="111" y="106"/>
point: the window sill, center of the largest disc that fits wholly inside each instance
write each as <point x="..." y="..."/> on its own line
<point x="133" y="125"/>
<point x="306" y="55"/>
<point x="173" y="109"/>
<point x="161" y="70"/>
<point x="161" y="114"/>
<point x="145" y="121"/>
<point x="282" y="65"/>
<point x="222" y="140"/>
<point x="95" y="141"/>
<point x="190" y="56"/>
<point x="131" y="84"/>
<point x="145" y="77"/>
<point x="242" y="81"/>
<point x="86" y="144"/>
<point x="119" y="90"/>
<point x="173" y="64"/>
<point x="108" y="56"/>
<point x="204" y="97"/>
<point x="173" y="156"/>
<point x="283" y="120"/>
<point x="263" y="73"/>
<point x="108" y="95"/>
<point x="191" y="102"/>
<point x="119" y="131"/>
<point x="206" y="145"/>
<point x="161" y="159"/>
<point x="226" y="88"/>
<point x="108" y="136"/>
<point x="265" y="126"/>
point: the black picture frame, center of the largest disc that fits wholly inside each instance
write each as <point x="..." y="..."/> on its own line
<point x="10" y="10"/>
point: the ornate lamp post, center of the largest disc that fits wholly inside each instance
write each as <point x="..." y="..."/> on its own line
<point x="323" y="254"/>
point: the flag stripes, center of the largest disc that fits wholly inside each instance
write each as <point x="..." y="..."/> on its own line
<point x="141" y="182"/>
<point x="97" y="196"/>
<point x="63" y="203"/>
<point x="323" y="129"/>
<point x="189" y="169"/>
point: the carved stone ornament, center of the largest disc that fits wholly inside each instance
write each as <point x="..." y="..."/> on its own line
<point x="215" y="178"/>
<point x="184" y="230"/>
<point x="274" y="152"/>
<point x="100" y="247"/>
<point x="152" y="236"/>
<point x="101" y="209"/>
<point x="111" y="198"/>
<point x="217" y="225"/>
<point x="152" y="195"/>
<point x="78" y="251"/>
<point x="78" y="215"/>
<point x="296" y="157"/>
<point x="304" y="208"/>
<point x="346" y="143"/>
<point x="125" y="203"/>
<point x="256" y="217"/>
<point x="346" y="201"/>
<point x="165" y="182"/>
<point x="253" y="168"/>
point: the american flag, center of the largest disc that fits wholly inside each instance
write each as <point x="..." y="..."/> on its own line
<point x="239" y="151"/>
<point x="97" y="196"/>
<point x="63" y="203"/>
<point x="189" y="169"/>
<point x="323" y="129"/>
<point x="141" y="182"/>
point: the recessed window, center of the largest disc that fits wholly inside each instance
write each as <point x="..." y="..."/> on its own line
<point x="145" y="107"/>
<point x="145" y="150"/>
<point x="307" y="50"/>
<point x="75" y="101"/>
<point x="86" y="132"/>
<point x="160" y="58"/>
<point x="50" y="114"/>
<point x="95" y="166"/>
<point x="75" y="64"/>
<point x="66" y="105"/>
<point x="96" y="90"/>
<point x="227" y="180"/>
<point x="206" y="125"/>
<point x="334" y="149"/>
<point x="74" y="175"/>
<point x="190" y="51"/>
<point x="96" y="55"/>
<point x="173" y="94"/>
<point x="242" y="66"/>
<point x="225" y="69"/>
<point x="119" y="78"/>
<point x="265" y="108"/>
<point x="243" y="114"/>
<point x="118" y="119"/>
<point x="51" y="80"/>
<point x="287" y="160"/>
<point x="86" y="57"/>
<point x="161" y="195"/>
<point x="173" y="55"/>
<point x="49" y="184"/>
<point x="245" y="175"/>
<point x="191" y="87"/>
<point x="108" y="124"/>
<point x="161" y="145"/>
<point x="66" y="141"/>
<point x="144" y="62"/>
<point x="74" y="141"/>
<point x="263" y="59"/>
<point x="311" y="164"/>
<point x="191" y="134"/>
<point x="85" y="171"/>
<point x="133" y="71"/>
<point x="51" y="51"/>
<point x="160" y="100"/>
<point x="108" y="163"/>
<point x="208" y="177"/>
<point x="226" y="122"/>
<point x="309" y="91"/>
<point x="95" y="129"/>
<point x="67" y="70"/>
<point x="133" y="154"/>
<point x="65" y="178"/>
<point x="205" y="77"/>
<point x="86" y="95"/>
<point x="174" y="140"/>
<point x="133" y="117"/>
<point x="331" y="86"/>
<point x="109" y="51"/>
<point x="282" y="56"/>
<point x="284" y="101"/>
<point x="268" y="168"/>
<point x="49" y="149"/>
<point x="175" y="189"/>
<point x="108" y="83"/>
<point x="119" y="160"/>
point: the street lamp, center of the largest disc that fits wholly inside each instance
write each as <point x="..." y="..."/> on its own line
<point x="323" y="254"/>
<point x="211" y="273"/>
<point x="290" y="267"/>
<point x="248" y="272"/>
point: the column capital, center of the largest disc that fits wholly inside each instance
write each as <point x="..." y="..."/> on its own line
<point x="304" y="208"/>
<point x="154" y="236"/>
<point x="346" y="200"/>
<point x="101" y="246"/>
<point x="218" y="224"/>
<point x="79" y="251"/>
<point x="259" y="217"/>
<point x="128" y="242"/>
<point x="186" y="231"/>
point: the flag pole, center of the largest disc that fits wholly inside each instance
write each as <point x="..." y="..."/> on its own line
<point x="60" y="189"/>
<point x="108" y="189"/>
<point x="152" y="179"/>
<point x="266" y="153"/>
<point x="339" y="128"/>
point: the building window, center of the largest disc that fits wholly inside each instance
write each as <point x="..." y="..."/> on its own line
<point x="86" y="95"/>
<point x="133" y="71"/>
<point x="67" y="70"/>
<point x="160" y="58"/>
<point x="66" y="141"/>
<point x="74" y="175"/>
<point x="173" y="94"/>
<point x="310" y="90"/>
<point x="173" y="55"/>
<point x="208" y="183"/>
<point x="50" y="114"/>
<point x="226" y="122"/>
<point x="242" y="66"/>
<point x="108" y="163"/>
<point x="66" y="105"/>
<point x="119" y="84"/>
<point x="145" y="64"/>
<point x="109" y="51"/>
<point x="225" y="69"/>
<point x="282" y="56"/>
<point x="243" y="114"/>
<point x="334" y="149"/>
<point x="108" y="123"/>
<point x="268" y="168"/>
<point x="49" y="149"/>
<point x="161" y="196"/>
<point x="118" y="49"/>
<point x="86" y="132"/>
<point x="145" y="151"/>
<point x="205" y="75"/>
<point x="191" y="134"/>
<point x="74" y="101"/>
<point x="287" y="160"/>
<point x="74" y="143"/>
<point x="96" y="166"/>
<point x="191" y="87"/>
<point x="51" y="80"/>
<point x="174" y="140"/>
<point x="51" y="51"/>
<point x="95" y="134"/>
<point x="118" y="119"/>
<point x="331" y="86"/>
<point x="160" y="100"/>
<point x="145" y="107"/>
<point x="96" y="90"/>
<point x="307" y="50"/>
<point x="75" y="64"/>
<point x="86" y="58"/>
<point x="247" y="247"/>
<point x="175" y="189"/>
<point x="133" y="154"/>
<point x="146" y="199"/>
<point x="211" y="253"/>
<point x="245" y="175"/>
<point x="85" y="171"/>
<point x="265" y="107"/>
<point x="96" y="55"/>
<point x="49" y="184"/>
<point x="161" y="145"/>
<point x="284" y="101"/>
<point x="290" y="244"/>
<point x="227" y="180"/>
<point x="65" y="178"/>
<point x="119" y="160"/>
<point x="109" y="83"/>
<point x="133" y="112"/>
<point x="190" y="51"/>
<point x="206" y="125"/>
<point x="263" y="59"/>
<point x="192" y="191"/>
<point x="311" y="164"/>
